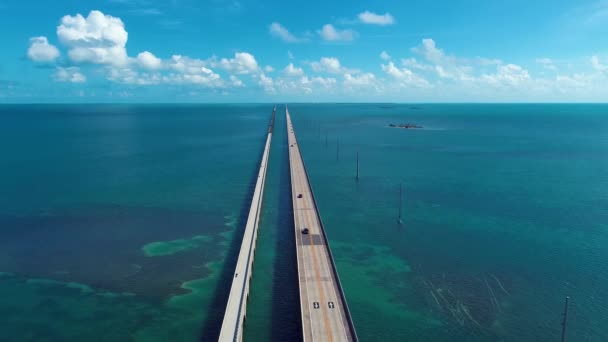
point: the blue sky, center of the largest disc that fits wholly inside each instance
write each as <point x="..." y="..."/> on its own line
<point x="309" y="51"/>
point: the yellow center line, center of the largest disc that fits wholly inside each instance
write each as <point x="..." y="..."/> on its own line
<point x="320" y="287"/>
<point x="314" y="249"/>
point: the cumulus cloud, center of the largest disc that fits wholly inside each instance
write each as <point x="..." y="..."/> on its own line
<point x="405" y="76"/>
<point x="597" y="65"/>
<point x="71" y="74"/>
<point x="148" y="61"/>
<point x="185" y="64"/>
<point x="546" y="63"/>
<point x="414" y="64"/>
<point x="236" y="81"/>
<point x="429" y="50"/>
<point x="298" y="85"/>
<point x="361" y="80"/>
<point x="98" y="38"/>
<point x="326" y="82"/>
<point x="41" y="51"/>
<point x="242" y="63"/>
<point x="191" y="70"/>
<point x="329" y="33"/>
<point x="101" y="39"/>
<point x="328" y="64"/>
<point x="206" y="77"/>
<point x="368" y="17"/>
<point x="128" y="75"/>
<point x="278" y="30"/>
<point x="510" y="75"/>
<point x="293" y="71"/>
<point x="445" y="66"/>
<point x="147" y="69"/>
<point x="266" y="83"/>
<point x="200" y="76"/>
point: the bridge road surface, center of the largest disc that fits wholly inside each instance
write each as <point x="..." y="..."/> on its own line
<point x="325" y="315"/>
<point x="234" y="317"/>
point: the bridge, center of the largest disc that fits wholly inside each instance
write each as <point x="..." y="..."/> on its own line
<point x="324" y="311"/>
<point x="236" y="308"/>
<point x="325" y="314"/>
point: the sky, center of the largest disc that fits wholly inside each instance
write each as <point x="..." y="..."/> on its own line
<point x="303" y="51"/>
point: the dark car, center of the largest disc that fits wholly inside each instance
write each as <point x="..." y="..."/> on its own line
<point x="299" y="195"/>
<point x="305" y="231"/>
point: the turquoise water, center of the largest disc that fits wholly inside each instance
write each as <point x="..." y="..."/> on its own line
<point x="120" y="221"/>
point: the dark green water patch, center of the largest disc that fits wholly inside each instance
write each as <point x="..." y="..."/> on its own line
<point x="102" y="246"/>
<point x="43" y="309"/>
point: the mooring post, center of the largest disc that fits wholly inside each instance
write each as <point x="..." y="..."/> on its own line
<point x="357" y="166"/>
<point x="565" y="318"/>
<point x="337" y="149"/>
<point x="400" y="220"/>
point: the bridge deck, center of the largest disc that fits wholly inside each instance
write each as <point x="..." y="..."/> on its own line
<point x="325" y="315"/>
<point x="234" y="317"/>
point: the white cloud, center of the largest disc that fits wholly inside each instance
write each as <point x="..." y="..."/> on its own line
<point x="267" y="83"/>
<point x="278" y="30"/>
<point x="509" y="75"/>
<point x="405" y="76"/>
<point x="242" y="63"/>
<point x="71" y="74"/>
<point x="368" y="17"/>
<point x="326" y="82"/>
<point x="329" y="33"/>
<point x="305" y="85"/>
<point x="597" y="65"/>
<point x="127" y="75"/>
<point x="546" y="63"/>
<point x="445" y="66"/>
<point x="150" y="70"/>
<point x="393" y="71"/>
<point x="148" y="61"/>
<point x="428" y="74"/>
<point x="206" y="78"/>
<point x="236" y="81"/>
<point x="442" y="72"/>
<point x="568" y="83"/>
<point x="292" y="71"/>
<point x="413" y="63"/>
<point x="365" y="79"/>
<point x="195" y="76"/>
<point x="489" y="61"/>
<point x="430" y="51"/>
<point x="41" y="51"/>
<point x="184" y="64"/>
<point x="98" y="38"/>
<point x="302" y="85"/>
<point x="330" y="65"/>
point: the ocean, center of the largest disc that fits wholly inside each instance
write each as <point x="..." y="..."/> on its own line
<point x="122" y="222"/>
